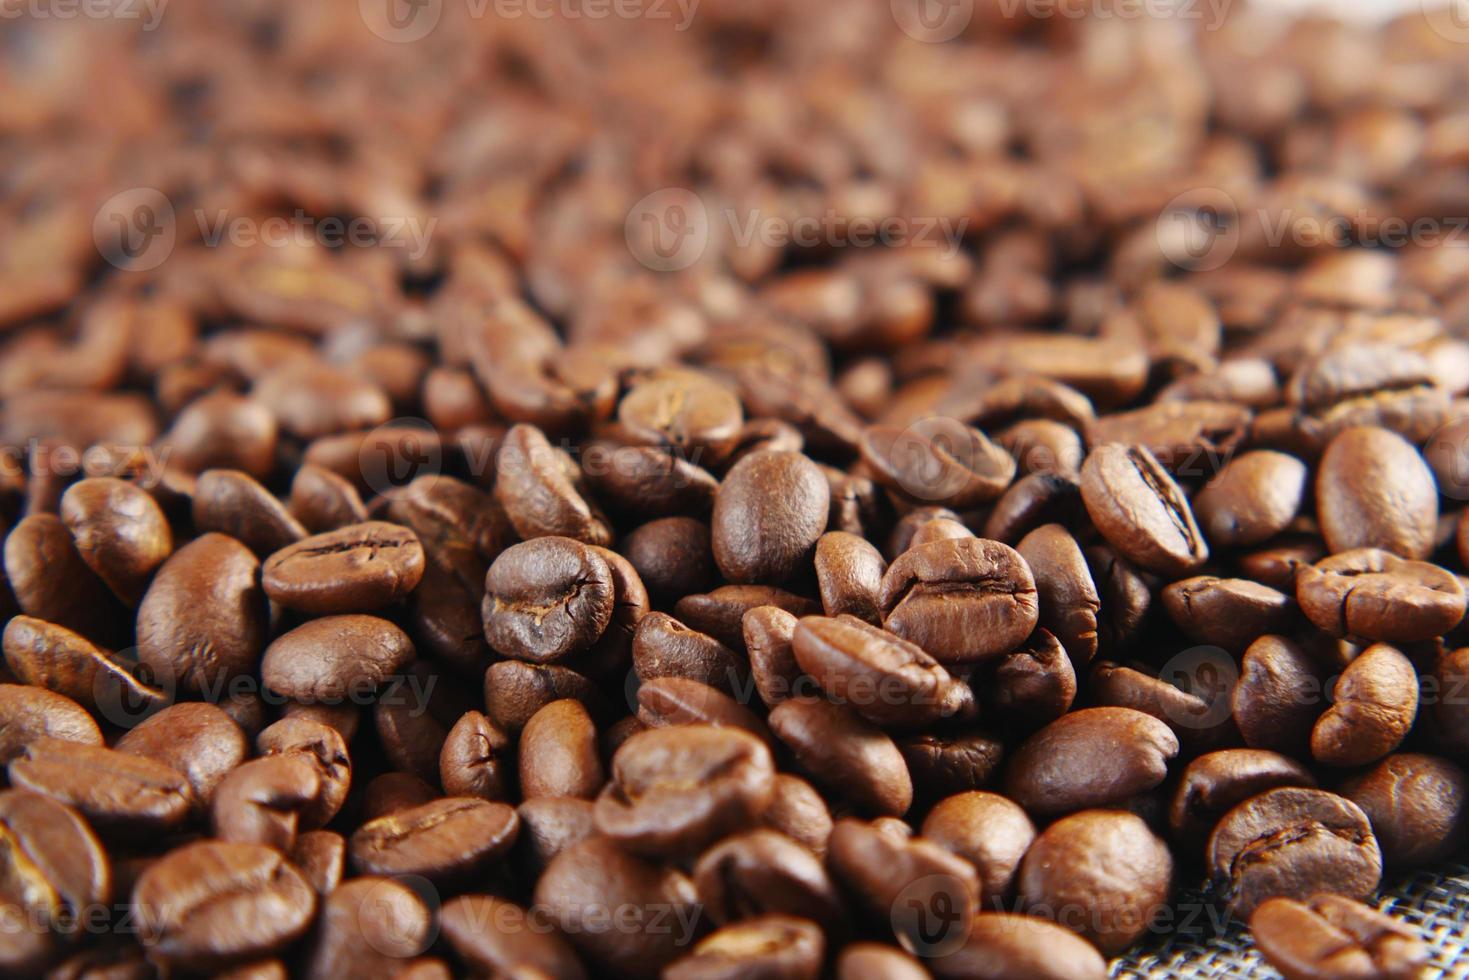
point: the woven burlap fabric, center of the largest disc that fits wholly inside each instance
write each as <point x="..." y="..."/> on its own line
<point x="1434" y="902"/>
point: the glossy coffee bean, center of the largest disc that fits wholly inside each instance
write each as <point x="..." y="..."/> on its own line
<point x="260" y="802"/>
<point x="325" y="750"/>
<point x="549" y="825"/>
<point x="1374" y="704"/>
<point x="986" y="829"/>
<point x="541" y="490"/>
<point x="664" y="647"/>
<point x="770" y="945"/>
<point x="515" y="691"/>
<point x="1373" y="490"/>
<point x="475" y="759"/>
<point x="673" y="556"/>
<point x="666" y="701"/>
<point x="1000" y="945"/>
<point x="1141" y="511"/>
<point x="1069" y="604"/>
<point x="447" y="841"/>
<point x="1418" y="806"/>
<point x="771" y="509"/>
<point x="1227" y="612"/>
<point x="53" y="657"/>
<point x="547" y="599"/>
<point x="762" y="872"/>
<point x="50" y="580"/>
<point x="721" y="613"/>
<point x="368" y="927"/>
<point x="1376" y="595"/>
<point x="233" y="503"/>
<point x="1254" y="498"/>
<point x="492" y="935"/>
<point x="358" y="568"/>
<point x="1280" y="693"/>
<point x="122" y="795"/>
<point x="849" y="574"/>
<point x="1034" y="685"/>
<point x="120" y="532"/>
<point x="324" y="501"/>
<point x="1332" y="936"/>
<point x="938" y="461"/>
<point x="558" y="753"/>
<point x="195" y="738"/>
<point x="1214" y="783"/>
<point x="942" y="763"/>
<point x="1095" y="757"/>
<point x="335" y="658"/>
<point x="30" y="714"/>
<point x="798" y="811"/>
<point x="851" y="757"/>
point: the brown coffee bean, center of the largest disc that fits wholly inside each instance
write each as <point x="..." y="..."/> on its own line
<point x="324" y="748"/>
<point x="673" y="556"/>
<point x="197" y="739"/>
<point x="323" y="501"/>
<point x="1187" y="437"/>
<point x="1278" y="697"/>
<point x="203" y="620"/>
<point x="664" y="647"/>
<point x="1227" y="612"/>
<point x="675" y="790"/>
<point x="1373" y="707"/>
<point x="547" y="599"/>
<point x="1109" y="372"/>
<point x="514" y="691"/>
<point x="851" y="757"/>
<point x="493" y="936"/>
<point x="849" y="573"/>
<point x="1292" y="843"/>
<point x="1214" y="783"/>
<point x="120" y="532"/>
<point x="1378" y="596"/>
<point x="320" y="855"/>
<point x="667" y="701"/>
<point x="410" y="733"/>
<point x="688" y="411"/>
<point x="475" y="759"/>
<point x="1043" y="446"/>
<point x="943" y="764"/>
<point x="222" y="430"/>
<point x="1034" y="685"/>
<point x="1373" y="490"/>
<point x="762" y="872"/>
<point x="1141" y="512"/>
<point x="232" y="503"/>
<point x="540" y="488"/>
<point x="988" y="831"/>
<point x="939" y="529"/>
<point x="647" y="481"/>
<point x="798" y="811"/>
<point x="122" y="795"/>
<point x="1254" y="498"/>
<point x="1089" y="758"/>
<point x="1101" y="873"/>
<point x="369" y="927"/>
<point x="259" y="802"/>
<point x="50" y="656"/>
<point x="769" y="636"/>
<point x="962" y="601"/>
<point x="558" y="753"/>
<point x="51" y="581"/>
<point x="767" y="946"/>
<point x="1332" y="936"/>
<point x="30" y="714"/>
<point x="549" y="825"/>
<point x="1418" y="806"/>
<point x="874" y="961"/>
<point x="721" y="613"/>
<point x="359" y="568"/>
<point x="394" y="792"/>
<point x="447" y="841"/>
<point x="770" y="510"/>
<point x="1069" y="603"/>
<point x="335" y="658"/>
<point x="207" y="905"/>
<point x="939" y="461"/>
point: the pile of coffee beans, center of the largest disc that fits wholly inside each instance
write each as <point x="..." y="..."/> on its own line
<point x="727" y="489"/>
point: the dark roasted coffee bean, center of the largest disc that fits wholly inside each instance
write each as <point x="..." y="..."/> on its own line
<point x="1278" y="696"/>
<point x="763" y="872"/>
<point x="1091" y="758"/>
<point x="1378" y="596"/>
<point x="849" y="573"/>
<point x="514" y="691"/>
<point x="448" y="841"/>
<point x="1191" y="700"/>
<point x="30" y="714"/>
<point x="540" y="488"/>
<point x="665" y="701"/>
<point x="547" y="599"/>
<point x="874" y="961"/>
<point x="1187" y="437"/>
<point x="1126" y="596"/>
<point x="203" y="620"/>
<point x="1227" y="612"/>
<point x="1418" y="806"/>
<point x="673" y="556"/>
<point x="1101" y="873"/>
<point x="1254" y="498"/>
<point x="193" y="737"/>
<point x="1043" y="446"/>
<point x="1069" y="603"/>
<point x="769" y="635"/>
<point x="647" y="481"/>
<point x="1032" y="501"/>
<point x="766" y="946"/>
<point x="664" y="647"/>
<point x="410" y="733"/>
<point x="120" y="532"/>
<point x="226" y="431"/>
<point x="325" y="749"/>
<point x="1293" y="843"/>
<point x="1373" y="706"/>
<point x="962" y="600"/>
<point x="369" y="927"/>
<point x="335" y="659"/>
<point x="208" y="905"/>
<point x="50" y="656"/>
<point x="943" y="764"/>
<point x="122" y="795"/>
<point x="323" y="501"/>
<point x="988" y="831"/>
<point x="393" y="792"/>
<point x="359" y="568"/>
<point x="907" y="527"/>
<point x="233" y="503"/>
<point x="852" y="758"/>
<point x="721" y="613"/>
<point x="494" y="936"/>
<point x="1216" y="782"/>
<point x="549" y="825"/>
<point x="685" y="410"/>
<point x="1277" y="564"/>
<point x="260" y="802"/>
<point x="1000" y="945"/>
<point x="1033" y="685"/>
<point x="770" y="510"/>
<point x="558" y="753"/>
<point x="475" y="759"/>
<point x="939" y="529"/>
<point x="1140" y="510"/>
<point x="799" y="812"/>
<point x="1333" y="936"/>
<point x="51" y="581"/>
<point x="1373" y="490"/>
<point x="320" y="855"/>
<point x="938" y="461"/>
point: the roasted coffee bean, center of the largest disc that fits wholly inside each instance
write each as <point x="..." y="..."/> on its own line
<point x="673" y="556"/>
<point x="549" y="825"/>
<point x="690" y="412"/>
<point x="208" y="905"/>
<point x="494" y="936"/>
<point x="1373" y="706"/>
<point x="558" y="753"/>
<point x="233" y="503"/>
<point x="885" y="679"/>
<point x="771" y="509"/>
<point x="1031" y="502"/>
<point x="989" y="831"/>
<point x="939" y="529"/>
<point x="903" y="532"/>
<point x="1376" y="595"/>
<point x="50" y="656"/>
<point x="799" y="812"/>
<point x="763" y="872"/>
<point x="311" y="399"/>
<point x="1034" y="685"/>
<point x="547" y="599"/>
<point x="675" y="790"/>
<point x="345" y="718"/>
<point x="1186" y="437"/>
<point x="51" y="581"/>
<point x="851" y="757"/>
<point x="1332" y="936"/>
<point x="393" y="792"/>
<point x="1292" y="843"/>
<point x="1141" y="511"/>
<point x="325" y="749"/>
<point x="335" y="659"/>
<point x="222" y="430"/>
<point x="938" y="461"/>
<point x="1227" y="612"/>
<point x="942" y="764"/>
<point x="767" y="946"/>
<point x="666" y="701"/>
<point x="197" y="739"/>
<point x="1043" y="446"/>
<point x="1095" y="757"/>
<point x="1069" y="603"/>
<point x="849" y="573"/>
<point x="597" y="874"/>
<point x="664" y="647"/>
<point x="1101" y="873"/>
<point x="475" y="759"/>
<point x="1254" y="498"/>
<point x="320" y="855"/>
<point x="1418" y="806"/>
<point x="120" y="532"/>
<point x="540" y="488"/>
<point x="125" y="796"/>
<point x="260" y="802"/>
<point x="359" y="568"/>
<point x="1126" y="597"/>
<point x="721" y="613"/>
<point x="323" y="501"/>
<point x="961" y="601"/>
<point x="367" y="928"/>
<point x="1278" y="697"/>
<point x="514" y="691"/>
<point x="647" y="481"/>
<point x="1215" y="783"/>
<point x="1373" y="490"/>
<point x="30" y="714"/>
<point x="411" y="735"/>
<point x="1277" y="565"/>
<point x="874" y="961"/>
<point x="769" y="636"/>
<point x="203" y="620"/>
<point x="448" y="841"/>
<point x="1001" y="945"/>
<point x="1193" y="703"/>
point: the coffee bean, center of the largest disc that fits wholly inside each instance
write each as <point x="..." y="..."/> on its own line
<point x="904" y="532"/>
<point x="1095" y="757"/>
<point x="1034" y="685"/>
<point x="50" y="580"/>
<point x="547" y="599"/>
<point x="1126" y="595"/>
<point x="1227" y="612"/>
<point x="393" y="792"/>
<point x="1292" y="843"/>
<point x="491" y="935"/>
<point x="664" y="647"/>
<point x="673" y="556"/>
<point x="203" y="620"/>
<point x="1109" y="372"/>
<point x="1214" y="783"/>
<point x="447" y="841"/>
<point x="335" y="658"/>
<point x="207" y="905"/>
<point x="1279" y="695"/>
<point x="938" y="461"/>
<point x="475" y="759"/>
<point x="675" y="790"/>
<point x="223" y="430"/>
<point x="320" y="855"/>
<point x="721" y="613"/>
<point x="197" y="739"/>
<point x="1101" y="873"/>
<point x="259" y="802"/>
<point x="874" y="961"/>
<point x="987" y="830"/>
<point x="312" y="399"/>
<point x="962" y="601"/>
<point x="1191" y="703"/>
<point x="1254" y="498"/>
<point x="120" y="532"/>
<point x="540" y="488"/>
<point x="769" y="945"/>
<point x="514" y="691"/>
<point x="322" y="747"/>
<point x="762" y="872"/>
<point x="558" y="753"/>
<point x="1186" y="437"/>
<point x="1373" y="490"/>
<point x="411" y="735"/>
<point x="942" y="764"/>
<point x="233" y="503"/>
<point x="667" y="701"/>
<point x="1373" y="707"/>
<point x="1332" y="936"/>
<point x="1417" y="806"/>
<point x="770" y="511"/>
<point x="50" y="656"/>
<point x="769" y="637"/>
<point x="1068" y="598"/>
<point x="647" y="481"/>
<point x="849" y="574"/>
<point x="125" y="796"/>
<point x="685" y="410"/>
<point x="798" y="811"/>
<point x="323" y="501"/>
<point x="853" y="758"/>
<point x="359" y="568"/>
<point x="1378" y="596"/>
<point x="1140" y="510"/>
<point x="939" y="529"/>
<point x="1277" y="565"/>
<point x="549" y="825"/>
<point x="368" y="927"/>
